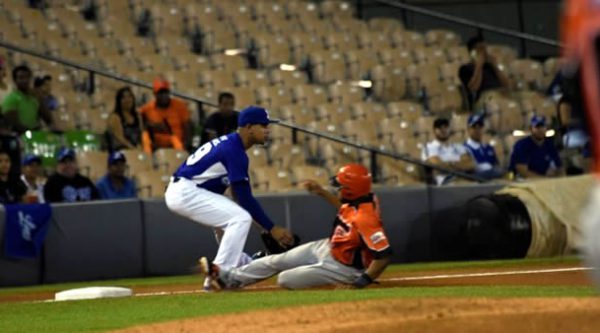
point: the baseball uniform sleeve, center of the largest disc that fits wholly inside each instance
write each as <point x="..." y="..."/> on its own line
<point x="374" y="237"/>
<point x="244" y="196"/>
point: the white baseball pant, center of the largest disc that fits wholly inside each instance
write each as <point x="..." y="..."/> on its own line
<point x="308" y="265"/>
<point x="216" y="211"/>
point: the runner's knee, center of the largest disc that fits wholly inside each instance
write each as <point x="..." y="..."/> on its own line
<point x="288" y="280"/>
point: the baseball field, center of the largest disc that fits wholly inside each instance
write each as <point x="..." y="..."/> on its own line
<point x="540" y="295"/>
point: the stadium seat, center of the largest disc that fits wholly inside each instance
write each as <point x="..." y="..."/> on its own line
<point x="334" y="155"/>
<point x="168" y="159"/>
<point x="92" y="164"/>
<point x="430" y="55"/>
<point x="82" y="140"/>
<point x="137" y="161"/>
<point x="442" y="38"/>
<point x="251" y="78"/>
<point x="285" y="155"/>
<point x="359" y="62"/>
<point x="327" y="66"/>
<point x="369" y="111"/>
<point x="227" y="62"/>
<point x="301" y="173"/>
<point x="297" y="114"/>
<point x="385" y="24"/>
<point x="535" y="103"/>
<point x="309" y="95"/>
<point x="391" y="129"/>
<point x="388" y="83"/>
<point x="527" y="74"/>
<point x="335" y="114"/>
<point x="271" y="97"/>
<point x="42" y="143"/>
<point x="407" y="110"/>
<point x="271" y="179"/>
<point x="151" y="183"/>
<point x="458" y="54"/>
<point x="271" y="50"/>
<point x="287" y="78"/>
<point x="406" y="39"/>
<point x="258" y="156"/>
<point x="302" y="44"/>
<point x="399" y="173"/>
<point x="345" y="93"/>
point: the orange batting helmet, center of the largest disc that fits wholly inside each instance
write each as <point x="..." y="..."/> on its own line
<point x="354" y="181"/>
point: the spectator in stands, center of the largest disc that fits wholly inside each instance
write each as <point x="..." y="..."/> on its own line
<point x="536" y="156"/>
<point x="483" y="154"/>
<point x="12" y="189"/>
<point x="166" y="120"/>
<point x="21" y="107"/>
<point x="33" y="178"/>
<point x="67" y="184"/>
<point x="10" y="144"/>
<point x="42" y="87"/>
<point x="482" y="73"/>
<point x="444" y="153"/>
<point x="222" y="122"/>
<point x="114" y="185"/>
<point x="124" y="125"/>
<point x="5" y="87"/>
<point x="571" y="124"/>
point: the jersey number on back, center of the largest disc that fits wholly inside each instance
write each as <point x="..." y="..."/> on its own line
<point x="203" y="150"/>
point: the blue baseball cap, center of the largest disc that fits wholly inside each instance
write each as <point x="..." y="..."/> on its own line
<point x="64" y="153"/>
<point x="31" y="158"/>
<point x="475" y="119"/>
<point x="538" y="121"/>
<point x="115" y="157"/>
<point x="254" y="115"/>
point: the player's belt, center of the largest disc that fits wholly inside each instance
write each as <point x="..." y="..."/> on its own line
<point x="175" y="179"/>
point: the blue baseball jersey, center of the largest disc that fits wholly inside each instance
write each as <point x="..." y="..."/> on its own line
<point x="538" y="158"/>
<point x="483" y="154"/>
<point x="216" y="164"/>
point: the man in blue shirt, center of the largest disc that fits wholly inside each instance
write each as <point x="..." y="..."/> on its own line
<point x="196" y="189"/>
<point x="114" y="185"/>
<point x="536" y="156"/>
<point x="484" y="155"/>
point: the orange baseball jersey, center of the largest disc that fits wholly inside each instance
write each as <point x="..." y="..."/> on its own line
<point x="358" y="234"/>
<point x="176" y="115"/>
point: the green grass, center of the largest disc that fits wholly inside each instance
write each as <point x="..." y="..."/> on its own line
<point x="193" y="279"/>
<point x="106" y="314"/>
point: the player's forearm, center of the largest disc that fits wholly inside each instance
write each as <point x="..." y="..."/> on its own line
<point x="331" y="198"/>
<point x="377" y="267"/>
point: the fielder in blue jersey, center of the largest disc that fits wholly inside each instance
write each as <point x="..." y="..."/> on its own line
<point x="196" y="190"/>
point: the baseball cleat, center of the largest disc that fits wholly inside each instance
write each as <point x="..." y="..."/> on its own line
<point x="211" y="271"/>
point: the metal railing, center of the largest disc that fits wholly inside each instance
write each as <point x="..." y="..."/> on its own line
<point x="473" y="24"/>
<point x="374" y="152"/>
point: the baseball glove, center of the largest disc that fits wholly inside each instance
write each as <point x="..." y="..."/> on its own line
<point x="273" y="246"/>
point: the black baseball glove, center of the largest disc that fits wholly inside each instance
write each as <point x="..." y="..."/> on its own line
<point x="273" y="247"/>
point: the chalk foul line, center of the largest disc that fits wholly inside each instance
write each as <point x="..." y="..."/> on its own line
<point x="408" y="278"/>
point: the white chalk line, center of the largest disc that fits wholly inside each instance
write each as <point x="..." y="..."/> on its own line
<point x="408" y="278"/>
<point x="396" y="279"/>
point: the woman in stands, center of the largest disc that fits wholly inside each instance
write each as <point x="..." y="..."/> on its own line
<point x="124" y="126"/>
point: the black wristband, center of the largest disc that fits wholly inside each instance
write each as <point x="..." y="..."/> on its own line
<point x="362" y="281"/>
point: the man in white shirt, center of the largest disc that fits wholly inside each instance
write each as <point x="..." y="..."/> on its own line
<point x="442" y="152"/>
<point x="484" y="155"/>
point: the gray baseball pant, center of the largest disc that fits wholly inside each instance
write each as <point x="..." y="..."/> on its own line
<point x="308" y="265"/>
